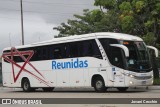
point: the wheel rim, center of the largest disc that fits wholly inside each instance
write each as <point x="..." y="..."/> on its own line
<point x="26" y="85"/>
<point x="99" y="84"/>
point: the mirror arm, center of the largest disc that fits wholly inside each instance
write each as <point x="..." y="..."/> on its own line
<point x="155" y="50"/>
<point x="126" y="51"/>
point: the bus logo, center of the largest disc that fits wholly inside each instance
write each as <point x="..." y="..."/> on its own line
<point x="74" y="63"/>
<point x="9" y="57"/>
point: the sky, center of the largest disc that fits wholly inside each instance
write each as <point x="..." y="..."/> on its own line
<point x="40" y="16"/>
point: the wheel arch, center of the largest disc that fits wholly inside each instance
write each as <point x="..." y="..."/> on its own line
<point x="94" y="77"/>
<point x="23" y="80"/>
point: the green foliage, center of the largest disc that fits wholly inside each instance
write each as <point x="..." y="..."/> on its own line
<point x="109" y="4"/>
<point x="126" y="23"/>
<point x="149" y="24"/>
<point x="139" y="6"/>
<point x="125" y="6"/>
<point x="156" y="81"/>
<point x="157" y="7"/>
<point x="149" y="38"/>
<point x="158" y="61"/>
<point x="89" y="22"/>
<point x="83" y="24"/>
<point x="136" y="17"/>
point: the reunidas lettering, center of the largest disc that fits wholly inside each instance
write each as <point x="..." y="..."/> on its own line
<point x="74" y="63"/>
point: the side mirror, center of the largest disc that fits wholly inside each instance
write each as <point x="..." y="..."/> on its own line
<point x="155" y="50"/>
<point x="125" y="49"/>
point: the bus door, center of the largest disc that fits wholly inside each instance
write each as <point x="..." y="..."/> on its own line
<point x="118" y="77"/>
<point x="117" y="61"/>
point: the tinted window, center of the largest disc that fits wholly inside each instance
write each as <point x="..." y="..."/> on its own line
<point x="57" y="53"/>
<point x="65" y="50"/>
<point x="74" y="49"/>
<point x="114" y="54"/>
<point x="90" y="48"/>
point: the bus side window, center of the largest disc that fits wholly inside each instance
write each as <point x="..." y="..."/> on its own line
<point x="74" y="49"/>
<point x="116" y="57"/>
<point x="39" y="53"/>
<point x="90" y="48"/>
<point x="115" y="54"/>
<point x="35" y="55"/>
<point x="67" y="51"/>
<point x="87" y="48"/>
<point x="6" y="60"/>
<point x="57" y="54"/>
<point x="18" y="58"/>
<point x="96" y="51"/>
<point x="45" y="53"/>
<point x="50" y="52"/>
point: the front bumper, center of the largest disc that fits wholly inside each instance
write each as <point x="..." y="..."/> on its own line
<point x="139" y="79"/>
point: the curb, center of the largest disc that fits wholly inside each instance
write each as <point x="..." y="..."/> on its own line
<point x="154" y="87"/>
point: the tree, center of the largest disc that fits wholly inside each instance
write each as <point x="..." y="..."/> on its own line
<point x="85" y="23"/>
<point x="138" y="17"/>
<point x="90" y="22"/>
<point x="135" y="17"/>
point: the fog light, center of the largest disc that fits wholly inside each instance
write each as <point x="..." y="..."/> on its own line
<point x="152" y="81"/>
<point x="130" y="82"/>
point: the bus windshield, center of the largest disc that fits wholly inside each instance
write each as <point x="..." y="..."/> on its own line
<point x="138" y="59"/>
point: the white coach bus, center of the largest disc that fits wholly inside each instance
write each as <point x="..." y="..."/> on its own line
<point x="99" y="60"/>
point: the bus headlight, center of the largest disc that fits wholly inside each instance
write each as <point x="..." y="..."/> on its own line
<point x="130" y="82"/>
<point x="152" y="81"/>
<point x="131" y="76"/>
<point x="152" y="75"/>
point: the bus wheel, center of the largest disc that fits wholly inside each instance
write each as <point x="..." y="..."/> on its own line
<point x="26" y="86"/>
<point x="48" y="89"/>
<point x="122" y="89"/>
<point x="99" y="85"/>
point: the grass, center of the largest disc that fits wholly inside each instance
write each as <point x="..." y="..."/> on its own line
<point x="156" y="81"/>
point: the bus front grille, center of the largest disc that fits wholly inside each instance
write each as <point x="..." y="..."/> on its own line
<point x="142" y="77"/>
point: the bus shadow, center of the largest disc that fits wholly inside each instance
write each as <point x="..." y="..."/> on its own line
<point x="83" y="91"/>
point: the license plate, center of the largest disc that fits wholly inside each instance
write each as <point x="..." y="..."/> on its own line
<point x="143" y="82"/>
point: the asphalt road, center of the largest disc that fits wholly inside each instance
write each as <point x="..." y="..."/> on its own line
<point x="82" y="93"/>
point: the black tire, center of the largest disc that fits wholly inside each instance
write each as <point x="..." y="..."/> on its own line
<point x="48" y="89"/>
<point x="122" y="89"/>
<point x="26" y="86"/>
<point x="99" y="84"/>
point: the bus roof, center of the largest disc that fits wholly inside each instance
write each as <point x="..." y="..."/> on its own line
<point x="119" y="36"/>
